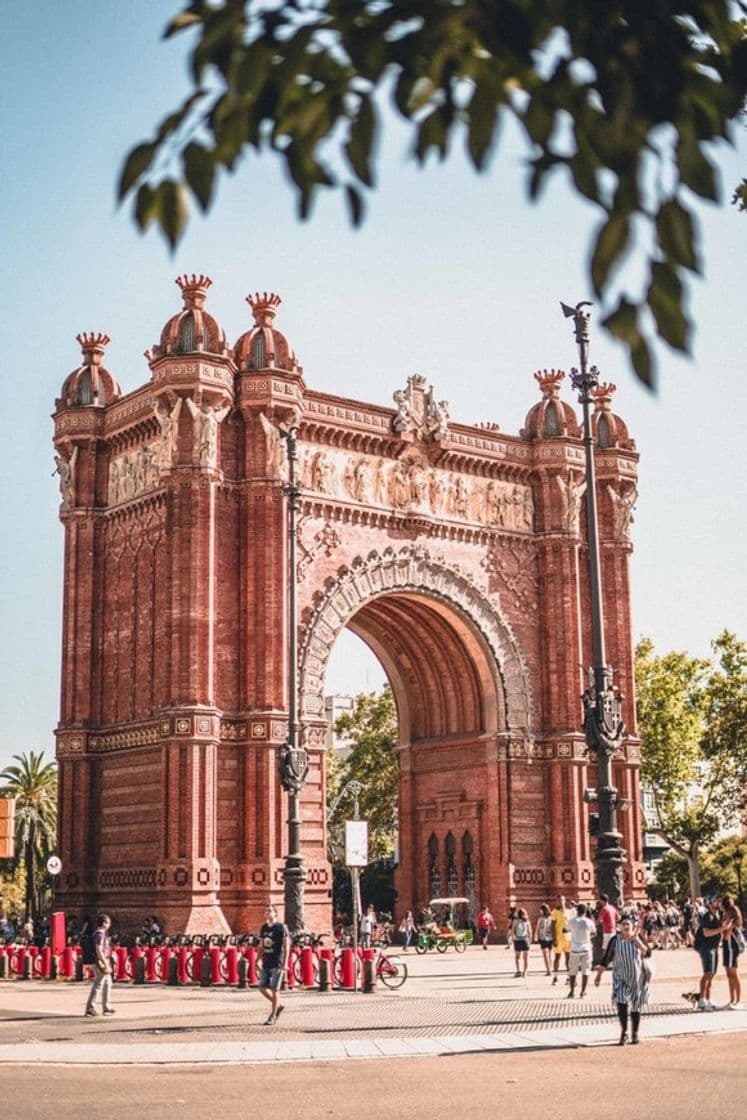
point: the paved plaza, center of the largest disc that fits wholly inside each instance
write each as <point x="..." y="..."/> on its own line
<point x="450" y="1005"/>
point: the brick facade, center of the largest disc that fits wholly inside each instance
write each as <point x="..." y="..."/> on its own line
<point x="456" y="552"/>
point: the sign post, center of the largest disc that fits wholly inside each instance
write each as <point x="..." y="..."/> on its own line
<point x="356" y="857"/>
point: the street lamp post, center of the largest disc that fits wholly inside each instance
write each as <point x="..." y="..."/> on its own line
<point x="294" y="759"/>
<point x="603" y="724"/>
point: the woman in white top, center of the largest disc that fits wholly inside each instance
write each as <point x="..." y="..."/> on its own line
<point x="543" y="933"/>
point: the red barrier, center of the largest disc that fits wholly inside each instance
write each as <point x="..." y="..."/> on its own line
<point x="43" y="963"/>
<point x="120" y="955"/>
<point x="307" y="967"/>
<point x="182" y="965"/>
<point x="163" y="956"/>
<point x="232" y="965"/>
<point x="57" y="932"/>
<point x="151" y="961"/>
<point x="66" y="966"/>
<point x="136" y="954"/>
<point x="216" y="973"/>
<point x="194" y="964"/>
<point x="18" y="960"/>
<point x="290" y="971"/>
<point x="347" y="968"/>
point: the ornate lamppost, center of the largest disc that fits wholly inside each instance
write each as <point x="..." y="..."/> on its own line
<point x="294" y="758"/>
<point x="603" y="724"/>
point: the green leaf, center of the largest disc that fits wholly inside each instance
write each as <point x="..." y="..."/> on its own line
<point x="136" y="164"/>
<point x="432" y="133"/>
<point x="180" y="22"/>
<point x="674" y="225"/>
<point x="199" y="172"/>
<point x="145" y="206"/>
<point x="611" y="241"/>
<point x="483" y="118"/>
<point x="623" y="322"/>
<point x="358" y="148"/>
<point x="355" y="204"/>
<point x="642" y="361"/>
<point x="696" y="172"/>
<point x="665" y="300"/>
<point x="171" y="210"/>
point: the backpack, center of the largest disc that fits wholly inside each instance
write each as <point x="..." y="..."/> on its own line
<point x="520" y="930"/>
<point x="88" y="955"/>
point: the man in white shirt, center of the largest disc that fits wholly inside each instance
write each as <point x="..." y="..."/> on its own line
<point x="581" y="929"/>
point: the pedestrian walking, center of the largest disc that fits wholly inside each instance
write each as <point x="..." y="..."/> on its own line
<point x="630" y="977"/>
<point x="543" y="934"/>
<point x="706" y="943"/>
<point x="733" y="945"/>
<point x="102" y="969"/>
<point x="561" y="946"/>
<point x="521" y="933"/>
<point x="367" y="927"/>
<point x="407" y="928"/>
<point x="581" y="929"/>
<point x="274" y="944"/>
<point x="512" y="911"/>
<point x="608" y="918"/>
<point x="485" y="923"/>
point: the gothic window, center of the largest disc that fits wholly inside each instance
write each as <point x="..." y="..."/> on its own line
<point x="604" y="436"/>
<point x="257" y="358"/>
<point x="85" y="389"/>
<point x="186" y="342"/>
<point x="552" y="425"/>
<point x="470" y="886"/>
<point x="434" y="871"/>
<point x="452" y="875"/>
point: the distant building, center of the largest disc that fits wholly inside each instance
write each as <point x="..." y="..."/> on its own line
<point x="334" y="707"/>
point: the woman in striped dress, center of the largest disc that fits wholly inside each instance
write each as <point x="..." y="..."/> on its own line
<point x="630" y="976"/>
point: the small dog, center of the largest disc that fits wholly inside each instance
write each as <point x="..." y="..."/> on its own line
<point x="692" y="998"/>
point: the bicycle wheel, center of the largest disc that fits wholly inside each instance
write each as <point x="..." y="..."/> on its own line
<point x="460" y="944"/>
<point x="442" y="946"/>
<point x="421" y="947"/>
<point x="391" y="972"/>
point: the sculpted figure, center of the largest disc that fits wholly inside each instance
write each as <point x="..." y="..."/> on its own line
<point x="168" y="422"/>
<point x="437" y="417"/>
<point x="418" y="484"/>
<point x="273" y="447"/>
<point x="399" y="487"/>
<point x="206" y="420"/>
<point x="126" y="478"/>
<point x="528" y="509"/>
<point x="571" y="491"/>
<point x="362" y="479"/>
<point x="404" y="416"/>
<point x="461" y="497"/>
<point x="623" y="505"/>
<point x="348" y="478"/>
<point x="322" y="474"/>
<point x="434" y="491"/>
<point x="65" y="468"/>
<point x="114" y="473"/>
<point x="379" y="483"/>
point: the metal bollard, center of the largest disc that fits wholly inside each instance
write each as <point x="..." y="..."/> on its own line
<point x="206" y="972"/>
<point x="151" y="962"/>
<point x="242" y="969"/>
<point x="173" y="977"/>
<point x="138" y="968"/>
<point x="324" y="970"/>
<point x="369" y="974"/>
<point x="182" y="965"/>
<point x="78" y="969"/>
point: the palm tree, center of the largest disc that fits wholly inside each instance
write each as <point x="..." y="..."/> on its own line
<point x="33" y="784"/>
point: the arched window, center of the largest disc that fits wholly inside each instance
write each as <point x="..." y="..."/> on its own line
<point x="434" y="870"/>
<point x="552" y="423"/>
<point x="452" y="875"/>
<point x="604" y="435"/>
<point x="470" y="885"/>
<point x="257" y="357"/>
<point x="85" y="389"/>
<point x="186" y="342"/>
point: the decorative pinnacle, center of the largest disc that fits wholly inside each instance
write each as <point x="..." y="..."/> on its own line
<point x="602" y="395"/>
<point x="264" y="306"/>
<point x="549" y="381"/>
<point x="193" y="287"/>
<point x="581" y="318"/>
<point x="93" y="344"/>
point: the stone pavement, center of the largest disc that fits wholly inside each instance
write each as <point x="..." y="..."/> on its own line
<point x="450" y="1004"/>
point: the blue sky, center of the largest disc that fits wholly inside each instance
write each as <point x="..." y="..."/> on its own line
<point x="453" y="275"/>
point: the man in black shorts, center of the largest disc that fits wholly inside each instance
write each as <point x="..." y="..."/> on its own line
<point x="274" y="944"/>
<point x="707" y="941"/>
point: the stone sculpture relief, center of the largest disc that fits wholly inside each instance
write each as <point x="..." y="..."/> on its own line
<point x="623" y="504"/>
<point x="274" y="448"/>
<point x="168" y="421"/>
<point x="419" y="414"/>
<point x="65" y="468"/>
<point x="134" y="473"/>
<point x="206" y="420"/>
<point x="572" y="490"/>
<point x="411" y="484"/>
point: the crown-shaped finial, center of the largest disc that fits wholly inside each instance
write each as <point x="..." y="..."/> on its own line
<point x="549" y="381"/>
<point x="602" y="395"/>
<point x="193" y="286"/>
<point x="264" y="306"/>
<point x="93" y="344"/>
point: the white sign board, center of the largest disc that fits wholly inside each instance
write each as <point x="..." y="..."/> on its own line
<point x="54" y="865"/>
<point x="356" y="843"/>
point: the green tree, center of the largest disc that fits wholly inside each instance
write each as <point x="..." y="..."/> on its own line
<point x="671" y="879"/>
<point x="372" y="729"/>
<point x="725" y="715"/>
<point x="624" y="97"/>
<point x="687" y="711"/>
<point x="33" y="783"/>
<point x="725" y="869"/>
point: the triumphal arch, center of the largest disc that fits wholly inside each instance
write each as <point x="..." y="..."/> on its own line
<point x="457" y="553"/>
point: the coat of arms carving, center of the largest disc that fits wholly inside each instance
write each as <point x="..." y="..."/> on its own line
<point x="419" y="414"/>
